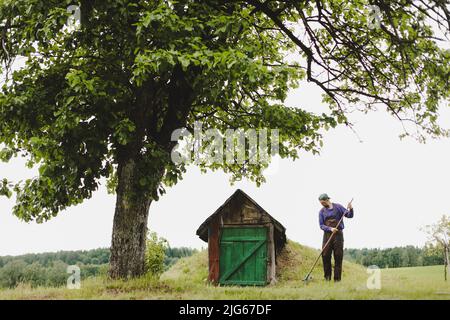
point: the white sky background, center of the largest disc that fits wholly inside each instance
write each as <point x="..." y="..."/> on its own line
<point x="398" y="187"/>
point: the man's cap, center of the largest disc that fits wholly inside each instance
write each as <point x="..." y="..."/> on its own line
<point x="324" y="196"/>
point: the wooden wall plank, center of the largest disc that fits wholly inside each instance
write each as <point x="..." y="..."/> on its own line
<point x="214" y="249"/>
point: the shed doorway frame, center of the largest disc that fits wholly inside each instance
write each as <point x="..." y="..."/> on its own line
<point x="243" y="255"/>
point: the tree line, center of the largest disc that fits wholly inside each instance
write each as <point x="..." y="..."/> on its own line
<point x="408" y="256"/>
<point x="50" y="269"/>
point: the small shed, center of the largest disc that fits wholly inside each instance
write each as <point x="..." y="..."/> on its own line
<point x="243" y="242"/>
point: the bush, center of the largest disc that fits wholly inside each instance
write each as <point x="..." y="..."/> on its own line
<point x="155" y="254"/>
<point x="12" y="274"/>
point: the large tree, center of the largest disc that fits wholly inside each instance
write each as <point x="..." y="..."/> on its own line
<point x="102" y="101"/>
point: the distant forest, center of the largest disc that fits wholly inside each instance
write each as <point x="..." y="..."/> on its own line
<point x="396" y="257"/>
<point x="50" y="269"/>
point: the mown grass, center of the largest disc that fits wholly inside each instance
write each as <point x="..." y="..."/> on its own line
<point x="187" y="280"/>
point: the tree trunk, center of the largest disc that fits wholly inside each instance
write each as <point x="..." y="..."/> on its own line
<point x="131" y="214"/>
<point x="447" y="262"/>
<point x="130" y="225"/>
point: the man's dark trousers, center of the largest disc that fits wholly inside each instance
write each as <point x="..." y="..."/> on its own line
<point x="336" y="246"/>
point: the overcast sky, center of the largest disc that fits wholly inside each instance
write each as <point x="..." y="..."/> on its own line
<point x="398" y="186"/>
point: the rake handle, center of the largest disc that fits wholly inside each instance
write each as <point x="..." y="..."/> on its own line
<point x="321" y="253"/>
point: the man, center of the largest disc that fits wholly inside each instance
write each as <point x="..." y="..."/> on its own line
<point x="329" y="217"/>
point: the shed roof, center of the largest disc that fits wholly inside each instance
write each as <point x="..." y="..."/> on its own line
<point x="202" y="231"/>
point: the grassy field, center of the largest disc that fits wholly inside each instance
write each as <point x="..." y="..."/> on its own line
<point x="187" y="280"/>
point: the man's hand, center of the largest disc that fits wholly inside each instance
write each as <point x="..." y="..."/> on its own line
<point x="349" y="206"/>
<point x="334" y="230"/>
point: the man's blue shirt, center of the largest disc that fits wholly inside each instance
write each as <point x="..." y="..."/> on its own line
<point x="335" y="213"/>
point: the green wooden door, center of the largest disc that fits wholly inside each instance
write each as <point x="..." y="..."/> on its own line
<point x="243" y="256"/>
